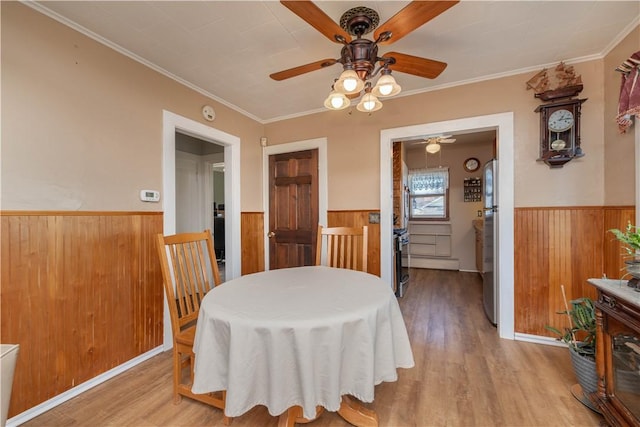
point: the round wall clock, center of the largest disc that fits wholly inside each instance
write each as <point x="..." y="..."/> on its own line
<point x="471" y="164"/>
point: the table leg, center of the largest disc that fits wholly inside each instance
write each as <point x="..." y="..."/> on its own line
<point x="356" y="414"/>
<point x="294" y="415"/>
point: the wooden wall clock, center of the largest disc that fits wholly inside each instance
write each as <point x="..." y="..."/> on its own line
<point x="560" y="131"/>
<point x="471" y="164"/>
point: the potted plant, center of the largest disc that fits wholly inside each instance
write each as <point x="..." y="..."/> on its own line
<point x="630" y="240"/>
<point x="580" y="337"/>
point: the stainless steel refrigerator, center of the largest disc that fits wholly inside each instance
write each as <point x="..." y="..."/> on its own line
<point x="489" y="278"/>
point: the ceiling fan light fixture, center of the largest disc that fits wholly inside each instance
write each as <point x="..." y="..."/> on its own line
<point x="359" y="55"/>
<point x="386" y="86"/>
<point x="432" y="147"/>
<point x="369" y="103"/>
<point x="349" y="82"/>
<point x="336" y="101"/>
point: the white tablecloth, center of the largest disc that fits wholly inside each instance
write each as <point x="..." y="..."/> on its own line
<point x="299" y="336"/>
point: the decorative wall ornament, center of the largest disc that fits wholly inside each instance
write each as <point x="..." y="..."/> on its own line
<point x="629" y="102"/>
<point x="559" y="115"/>
<point x="562" y="82"/>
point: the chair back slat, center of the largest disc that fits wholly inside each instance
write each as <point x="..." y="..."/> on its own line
<point x="186" y="260"/>
<point x="346" y="247"/>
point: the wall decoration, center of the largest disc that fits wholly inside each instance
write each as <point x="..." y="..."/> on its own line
<point x="471" y="164"/>
<point x="629" y="102"/>
<point x="473" y="189"/>
<point x="560" y="116"/>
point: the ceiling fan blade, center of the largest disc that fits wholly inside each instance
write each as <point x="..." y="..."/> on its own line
<point x="315" y="17"/>
<point x="421" y="67"/>
<point x="412" y="16"/>
<point x="302" y="69"/>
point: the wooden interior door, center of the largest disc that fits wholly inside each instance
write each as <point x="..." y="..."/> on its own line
<point x="293" y="208"/>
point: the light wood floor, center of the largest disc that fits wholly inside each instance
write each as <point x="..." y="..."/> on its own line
<point x="464" y="376"/>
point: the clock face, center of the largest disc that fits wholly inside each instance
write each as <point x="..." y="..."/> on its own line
<point x="560" y="120"/>
<point x="471" y="164"/>
<point x="558" y="145"/>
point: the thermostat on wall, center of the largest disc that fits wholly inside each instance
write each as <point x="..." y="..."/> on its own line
<point x="149" y="195"/>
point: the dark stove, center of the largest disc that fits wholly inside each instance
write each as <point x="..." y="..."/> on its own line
<point x="401" y="247"/>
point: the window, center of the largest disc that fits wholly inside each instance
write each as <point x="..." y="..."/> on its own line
<point x="429" y="191"/>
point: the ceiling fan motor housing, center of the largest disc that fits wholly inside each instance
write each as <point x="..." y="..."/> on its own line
<point x="359" y="20"/>
<point x="362" y="54"/>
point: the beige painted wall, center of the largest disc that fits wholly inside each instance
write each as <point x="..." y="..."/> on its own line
<point x="353" y="140"/>
<point x="82" y="124"/>
<point x="619" y="148"/>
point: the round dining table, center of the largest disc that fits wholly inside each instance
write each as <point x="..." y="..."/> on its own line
<point x="297" y="340"/>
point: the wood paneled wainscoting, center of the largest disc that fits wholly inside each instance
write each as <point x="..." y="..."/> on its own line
<point x="81" y="293"/>
<point x="561" y="246"/>
<point x="360" y="218"/>
<point x="253" y="256"/>
<point x="252" y="244"/>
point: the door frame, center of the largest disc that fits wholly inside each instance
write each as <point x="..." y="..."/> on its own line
<point x="309" y="144"/>
<point x="637" y="144"/>
<point x="210" y="160"/>
<point x="172" y="123"/>
<point x="503" y="123"/>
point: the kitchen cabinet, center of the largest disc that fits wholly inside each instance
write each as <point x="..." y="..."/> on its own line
<point x="617" y="352"/>
<point x="430" y="240"/>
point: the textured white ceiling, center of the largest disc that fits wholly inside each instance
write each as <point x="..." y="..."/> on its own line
<point x="227" y="49"/>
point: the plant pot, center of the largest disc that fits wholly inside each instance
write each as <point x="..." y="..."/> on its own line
<point x="633" y="270"/>
<point x="585" y="370"/>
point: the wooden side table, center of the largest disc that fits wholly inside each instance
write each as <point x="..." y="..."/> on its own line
<point x="617" y="352"/>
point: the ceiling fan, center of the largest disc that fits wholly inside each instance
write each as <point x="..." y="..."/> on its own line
<point x="359" y="55"/>
<point x="433" y="142"/>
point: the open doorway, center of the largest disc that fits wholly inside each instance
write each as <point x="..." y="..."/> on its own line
<point x="503" y="124"/>
<point x="200" y="190"/>
<point x="172" y="123"/>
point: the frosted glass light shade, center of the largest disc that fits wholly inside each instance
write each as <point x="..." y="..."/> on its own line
<point x="369" y="103"/>
<point x="386" y="86"/>
<point x="336" y="101"/>
<point x="349" y="83"/>
<point x="432" y="147"/>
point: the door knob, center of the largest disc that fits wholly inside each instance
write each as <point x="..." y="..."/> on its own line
<point x="271" y="234"/>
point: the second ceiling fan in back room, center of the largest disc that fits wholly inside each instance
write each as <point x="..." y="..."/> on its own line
<point x="433" y="142"/>
<point x="359" y="56"/>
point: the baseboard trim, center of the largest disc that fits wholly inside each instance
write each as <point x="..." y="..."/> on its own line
<point x="538" y="339"/>
<point x="438" y="264"/>
<point x="79" y="389"/>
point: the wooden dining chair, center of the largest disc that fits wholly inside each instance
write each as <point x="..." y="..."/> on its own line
<point x="189" y="271"/>
<point x="346" y="247"/>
